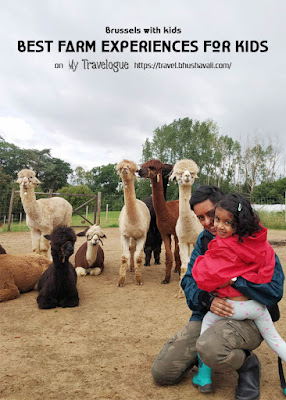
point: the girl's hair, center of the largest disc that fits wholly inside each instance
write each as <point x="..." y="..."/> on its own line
<point x="206" y="192"/>
<point x="245" y="220"/>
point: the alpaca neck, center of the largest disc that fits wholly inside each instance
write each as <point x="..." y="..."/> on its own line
<point x="29" y="202"/>
<point x="60" y="262"/>
<point x="159" y="202"/>
<point x="130" y="199"/>
<point x="165" y="184"/>
<point x="91" y="253"/>
<point x="184" y="199"/>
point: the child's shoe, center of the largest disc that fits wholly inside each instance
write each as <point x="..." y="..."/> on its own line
<point x="202" y="380"/>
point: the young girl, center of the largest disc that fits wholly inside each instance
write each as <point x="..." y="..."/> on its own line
<point x="239" y="249"/>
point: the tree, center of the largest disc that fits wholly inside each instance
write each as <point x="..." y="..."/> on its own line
<point x="79" y="176"/>
<point x="76" y="201"/>
<point x="103" y="179"/>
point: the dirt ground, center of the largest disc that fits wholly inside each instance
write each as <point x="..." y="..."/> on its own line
<point x="104" y="349"/>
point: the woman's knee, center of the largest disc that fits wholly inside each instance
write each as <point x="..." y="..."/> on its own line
<point x="222" y="346"/>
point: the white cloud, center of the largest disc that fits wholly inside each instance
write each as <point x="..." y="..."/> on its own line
<point x="93" y="117"/>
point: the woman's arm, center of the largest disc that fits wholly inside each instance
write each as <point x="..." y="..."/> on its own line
<point x="266" y="293"/>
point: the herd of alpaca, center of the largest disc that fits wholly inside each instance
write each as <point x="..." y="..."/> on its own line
<point x="143" y="226"/>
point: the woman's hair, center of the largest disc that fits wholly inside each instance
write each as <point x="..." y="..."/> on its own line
<point x="206" y="192"/>
<point x="245" y="220"/>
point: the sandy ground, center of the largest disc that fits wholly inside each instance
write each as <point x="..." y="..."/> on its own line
<point x="104" y="349"/>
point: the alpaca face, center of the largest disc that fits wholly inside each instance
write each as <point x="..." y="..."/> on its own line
<point x="27" y="178"/>
<point x="93" y="238"/>
<point x="151" y="168"/>
<point x="149" y="172"/>
<point x="67" y="249"/>
<point x="127" y="169"/>
<point x="186" y="178"/>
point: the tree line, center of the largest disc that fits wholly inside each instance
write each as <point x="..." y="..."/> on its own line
<point x="223" y="161"/>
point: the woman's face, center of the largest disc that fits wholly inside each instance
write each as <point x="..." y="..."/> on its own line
<point x="205" y="212"/>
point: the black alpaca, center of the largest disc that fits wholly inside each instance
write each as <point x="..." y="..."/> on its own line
<point x="57" y="285"/>
<point x="154" y="240"/>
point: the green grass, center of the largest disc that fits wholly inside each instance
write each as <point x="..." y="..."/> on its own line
<point x="272" y="220"/>
<point x="110" y="222"/>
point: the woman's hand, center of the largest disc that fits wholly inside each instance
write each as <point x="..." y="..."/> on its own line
<point x="221" y="307"/>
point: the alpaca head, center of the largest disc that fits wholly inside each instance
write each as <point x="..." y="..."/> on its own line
<point x="27" y="179"/>
<point x="62" y="240"/>
<point x="93" y="235"/>
<point x="127" y="169"/>
<point x="185" y="172"/>
<point x="150" y="169"/>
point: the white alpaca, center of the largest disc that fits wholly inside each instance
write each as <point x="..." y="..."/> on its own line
<point x="188" y="226"/>
<point x="134" y="221"/>
<point x="42" y="215"/>
<point x="89" y="259"/>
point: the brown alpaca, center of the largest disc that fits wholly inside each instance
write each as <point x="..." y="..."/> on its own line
<point x="134" y="221"/>
<point x="167" y="214"/>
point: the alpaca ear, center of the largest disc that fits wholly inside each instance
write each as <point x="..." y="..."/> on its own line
<point x="81" y="233"/>
<point x="47" y="237"/>
<point x="172" y="176"/>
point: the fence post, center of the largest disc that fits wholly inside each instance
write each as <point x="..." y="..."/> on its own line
<point x="106" y="212"/>
<point x="98" y="207"/>
<point x="10" y="209"/>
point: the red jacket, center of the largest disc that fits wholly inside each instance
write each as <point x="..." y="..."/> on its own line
<point x="252" y="259"/>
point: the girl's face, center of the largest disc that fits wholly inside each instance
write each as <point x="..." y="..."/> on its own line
<point x="223" y="223"/>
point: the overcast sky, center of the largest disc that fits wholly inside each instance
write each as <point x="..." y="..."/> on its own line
<point x="95" y="117"/>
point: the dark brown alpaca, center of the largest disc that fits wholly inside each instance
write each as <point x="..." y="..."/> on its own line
<point x="167" y="214"/>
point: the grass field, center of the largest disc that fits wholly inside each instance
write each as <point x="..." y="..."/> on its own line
<point x="271" y="220"/>
<point x="106" y="221"/>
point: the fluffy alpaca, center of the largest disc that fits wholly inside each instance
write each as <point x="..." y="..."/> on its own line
<point x="57" y="285"/>
<point x="2" y="250"/>
<point x="167" y="213"/>
<point x="134" y="221"/>
<point x="188" y="226"/>
<point x="20" y="274"/>
<point x="153" y="242"/>
<point x="89" y="258"/>
<point x="42" y="215"/>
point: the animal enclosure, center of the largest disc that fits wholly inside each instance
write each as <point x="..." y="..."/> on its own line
<point x="104" y="348"/>
<point x="93" y="198"/>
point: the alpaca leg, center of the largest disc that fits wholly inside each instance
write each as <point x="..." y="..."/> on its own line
<point x="36" y="238"/>
<point x="132" y="249"/>
<point x="184" y="255"/>
<point x="177" y="255"/>
<point x="157" y="252"/>
<point x="138" y="255"/>
<point x="169" y="258"/>
<point x="44" y="245"/>
<point x="81" y="271"/>
<point x="148" y="253"/>
<point x="8" y="289"/>
<point x="124" y="260"/>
